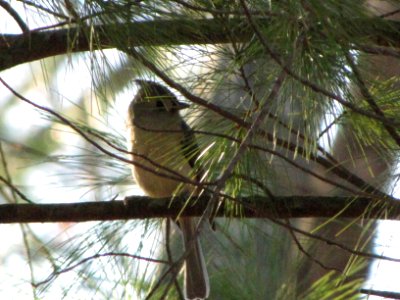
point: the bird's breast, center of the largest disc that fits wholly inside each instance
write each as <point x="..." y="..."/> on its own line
<point x="159" y="161"/>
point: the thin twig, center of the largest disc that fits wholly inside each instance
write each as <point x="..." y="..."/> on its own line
<point x="337" y="244"/>
<point x="173" y="270"/>
<point x="171" y="174"/>
<point x="45" y="9"/>
<point x="383" y="294"/>
<point x="7" y="173"/>
<point x="369" y="98"/>
<point x="313" y="86"/>
<point x="85" y="260"/>
<point x="305" y="252"/>
<point x="390" y="13"/>
<point x="328" y="162"/>
<point x="222" y="11"/>
<point x="266" y="150"/>
<point x="329" y="126"/>
<point x="378" y="50"/>
<point x="13" y="13"/>
<point x="15" y="189"/>
<point x="289" y="227"/>
<point x="27" y="248"/>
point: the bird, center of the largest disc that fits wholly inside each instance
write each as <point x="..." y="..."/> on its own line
<point x="164" y="150"/>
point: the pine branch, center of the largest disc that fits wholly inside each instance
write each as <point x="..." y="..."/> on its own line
<point x="138" y="207"/>
<point x="16" y="49"/>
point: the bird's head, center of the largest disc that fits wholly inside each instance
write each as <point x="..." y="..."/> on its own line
<point x="155" y="98"/>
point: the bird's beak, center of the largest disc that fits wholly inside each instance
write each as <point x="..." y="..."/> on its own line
<point x="181" y="105"/>
<point x="142" y="83"/>
<point x="163" y="93"/>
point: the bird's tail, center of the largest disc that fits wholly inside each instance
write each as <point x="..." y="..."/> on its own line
<point x="196" y="277"/>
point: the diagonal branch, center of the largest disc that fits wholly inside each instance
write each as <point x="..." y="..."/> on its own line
<point x="164" y="172"/>
<point x="392" y="131"/>
<point x="326" y="161"/>
<point x="93" y="257"/>
<point x="14" y="14"/>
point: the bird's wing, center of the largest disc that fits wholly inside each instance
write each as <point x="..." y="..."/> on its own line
<point x="190" y="148"/>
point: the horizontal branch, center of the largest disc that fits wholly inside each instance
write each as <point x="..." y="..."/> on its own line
<point x="16" y="49"/>
<point x="138" y="207"/>
<point x="21" y="48"/>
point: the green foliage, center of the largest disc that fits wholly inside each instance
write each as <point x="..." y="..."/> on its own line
<point x="332" y="286"/>
<point x="369" y="132"/>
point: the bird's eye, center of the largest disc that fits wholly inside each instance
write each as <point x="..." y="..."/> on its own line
<point x="159" y="104"/>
